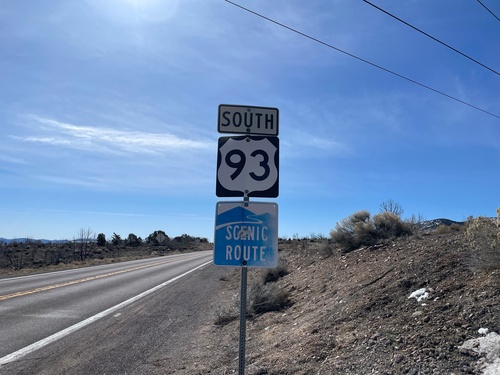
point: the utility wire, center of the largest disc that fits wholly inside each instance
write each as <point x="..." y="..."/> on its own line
<point x="485" y="7"/>
<point x="433" y="38"/>
<point x="361" y="59"/>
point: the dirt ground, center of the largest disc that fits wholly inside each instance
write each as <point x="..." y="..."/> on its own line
<point x="353" y="314"/>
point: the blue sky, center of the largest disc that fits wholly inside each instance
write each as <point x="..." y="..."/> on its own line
<point x="108" y="114"/>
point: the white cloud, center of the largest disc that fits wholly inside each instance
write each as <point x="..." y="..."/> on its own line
<point x="99" y="139"/>
<point x="304" y="144"/>
<point x="13" y="160"/>
<point x="80" y="181"/>
<point x="322" y="144"/>
<point x="56" y="153"/>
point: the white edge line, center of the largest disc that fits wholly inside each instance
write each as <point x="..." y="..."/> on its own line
<point x="56" y="336"/>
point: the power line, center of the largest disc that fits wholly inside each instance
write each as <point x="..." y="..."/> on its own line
<point x="433" y="38"/>
<point x="485" y="7"/>
<point x="361" y="59"/>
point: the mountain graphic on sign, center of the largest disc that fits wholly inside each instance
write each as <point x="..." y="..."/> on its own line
<point x="237" y="214"/>
<point x="268" y="220"/>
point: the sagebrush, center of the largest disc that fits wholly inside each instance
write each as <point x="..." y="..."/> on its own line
<point x="360" y="229"/>
<point x="226" y="311"/>
<point x="263" y="298"/>
<point x="263" y="295"/>
<point x="483" y="238"/>
<point x="274" y="274"/>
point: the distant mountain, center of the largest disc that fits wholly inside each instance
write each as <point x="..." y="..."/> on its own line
<point x="433" y="224"/>
<point x="25" y="239"/>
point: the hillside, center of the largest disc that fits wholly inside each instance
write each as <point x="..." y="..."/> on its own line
<point x="353" y="314"/>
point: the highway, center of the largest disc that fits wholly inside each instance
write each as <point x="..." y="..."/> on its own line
<point x="37" y="310"/>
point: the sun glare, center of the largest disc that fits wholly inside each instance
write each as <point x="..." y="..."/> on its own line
<point x="132" y="11"/>
<point x="142" y="3"/>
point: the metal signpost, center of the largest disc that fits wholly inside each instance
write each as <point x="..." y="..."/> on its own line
<point x="246" y="233"/>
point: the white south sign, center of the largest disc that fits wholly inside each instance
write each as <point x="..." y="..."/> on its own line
<point x="248" y="120"/>
<point x="248" y="166"/>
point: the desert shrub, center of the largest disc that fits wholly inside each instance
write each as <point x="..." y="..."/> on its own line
<point x="317" y="236"/>
<point x="354" y="231"/>
<point x="446" y="229"/>
<point x="274" y="274"/>
<point x="390" y="225"/>
<point x="360" y="230"/>
<point x="263" y="298"/>
<point x="456" y="228"/>
<point x="443" y="229"/>
<point x="415" y="223"/>
<point x="327" y="249"/>
<point x="226" y="311"/>
<point x="483" y="238"/>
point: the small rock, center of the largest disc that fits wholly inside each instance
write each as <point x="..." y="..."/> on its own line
<point x="398" y="358"/>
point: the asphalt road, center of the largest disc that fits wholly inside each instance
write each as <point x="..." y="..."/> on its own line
<point x="41" y="312"/>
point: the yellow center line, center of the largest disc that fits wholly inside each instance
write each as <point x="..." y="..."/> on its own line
<point x="60" y="285"/>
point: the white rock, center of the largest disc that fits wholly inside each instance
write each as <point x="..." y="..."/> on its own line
<point x="489" y="347"/>
<point x="420" y="294"/>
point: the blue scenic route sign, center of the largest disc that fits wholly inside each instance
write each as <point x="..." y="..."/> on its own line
<point x="246" y="234"/>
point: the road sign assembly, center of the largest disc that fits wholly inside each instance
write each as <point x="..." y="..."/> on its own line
<point x="246" y="234"/>
<point x="248" y="166"/>
<point x="239" y="119"/>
